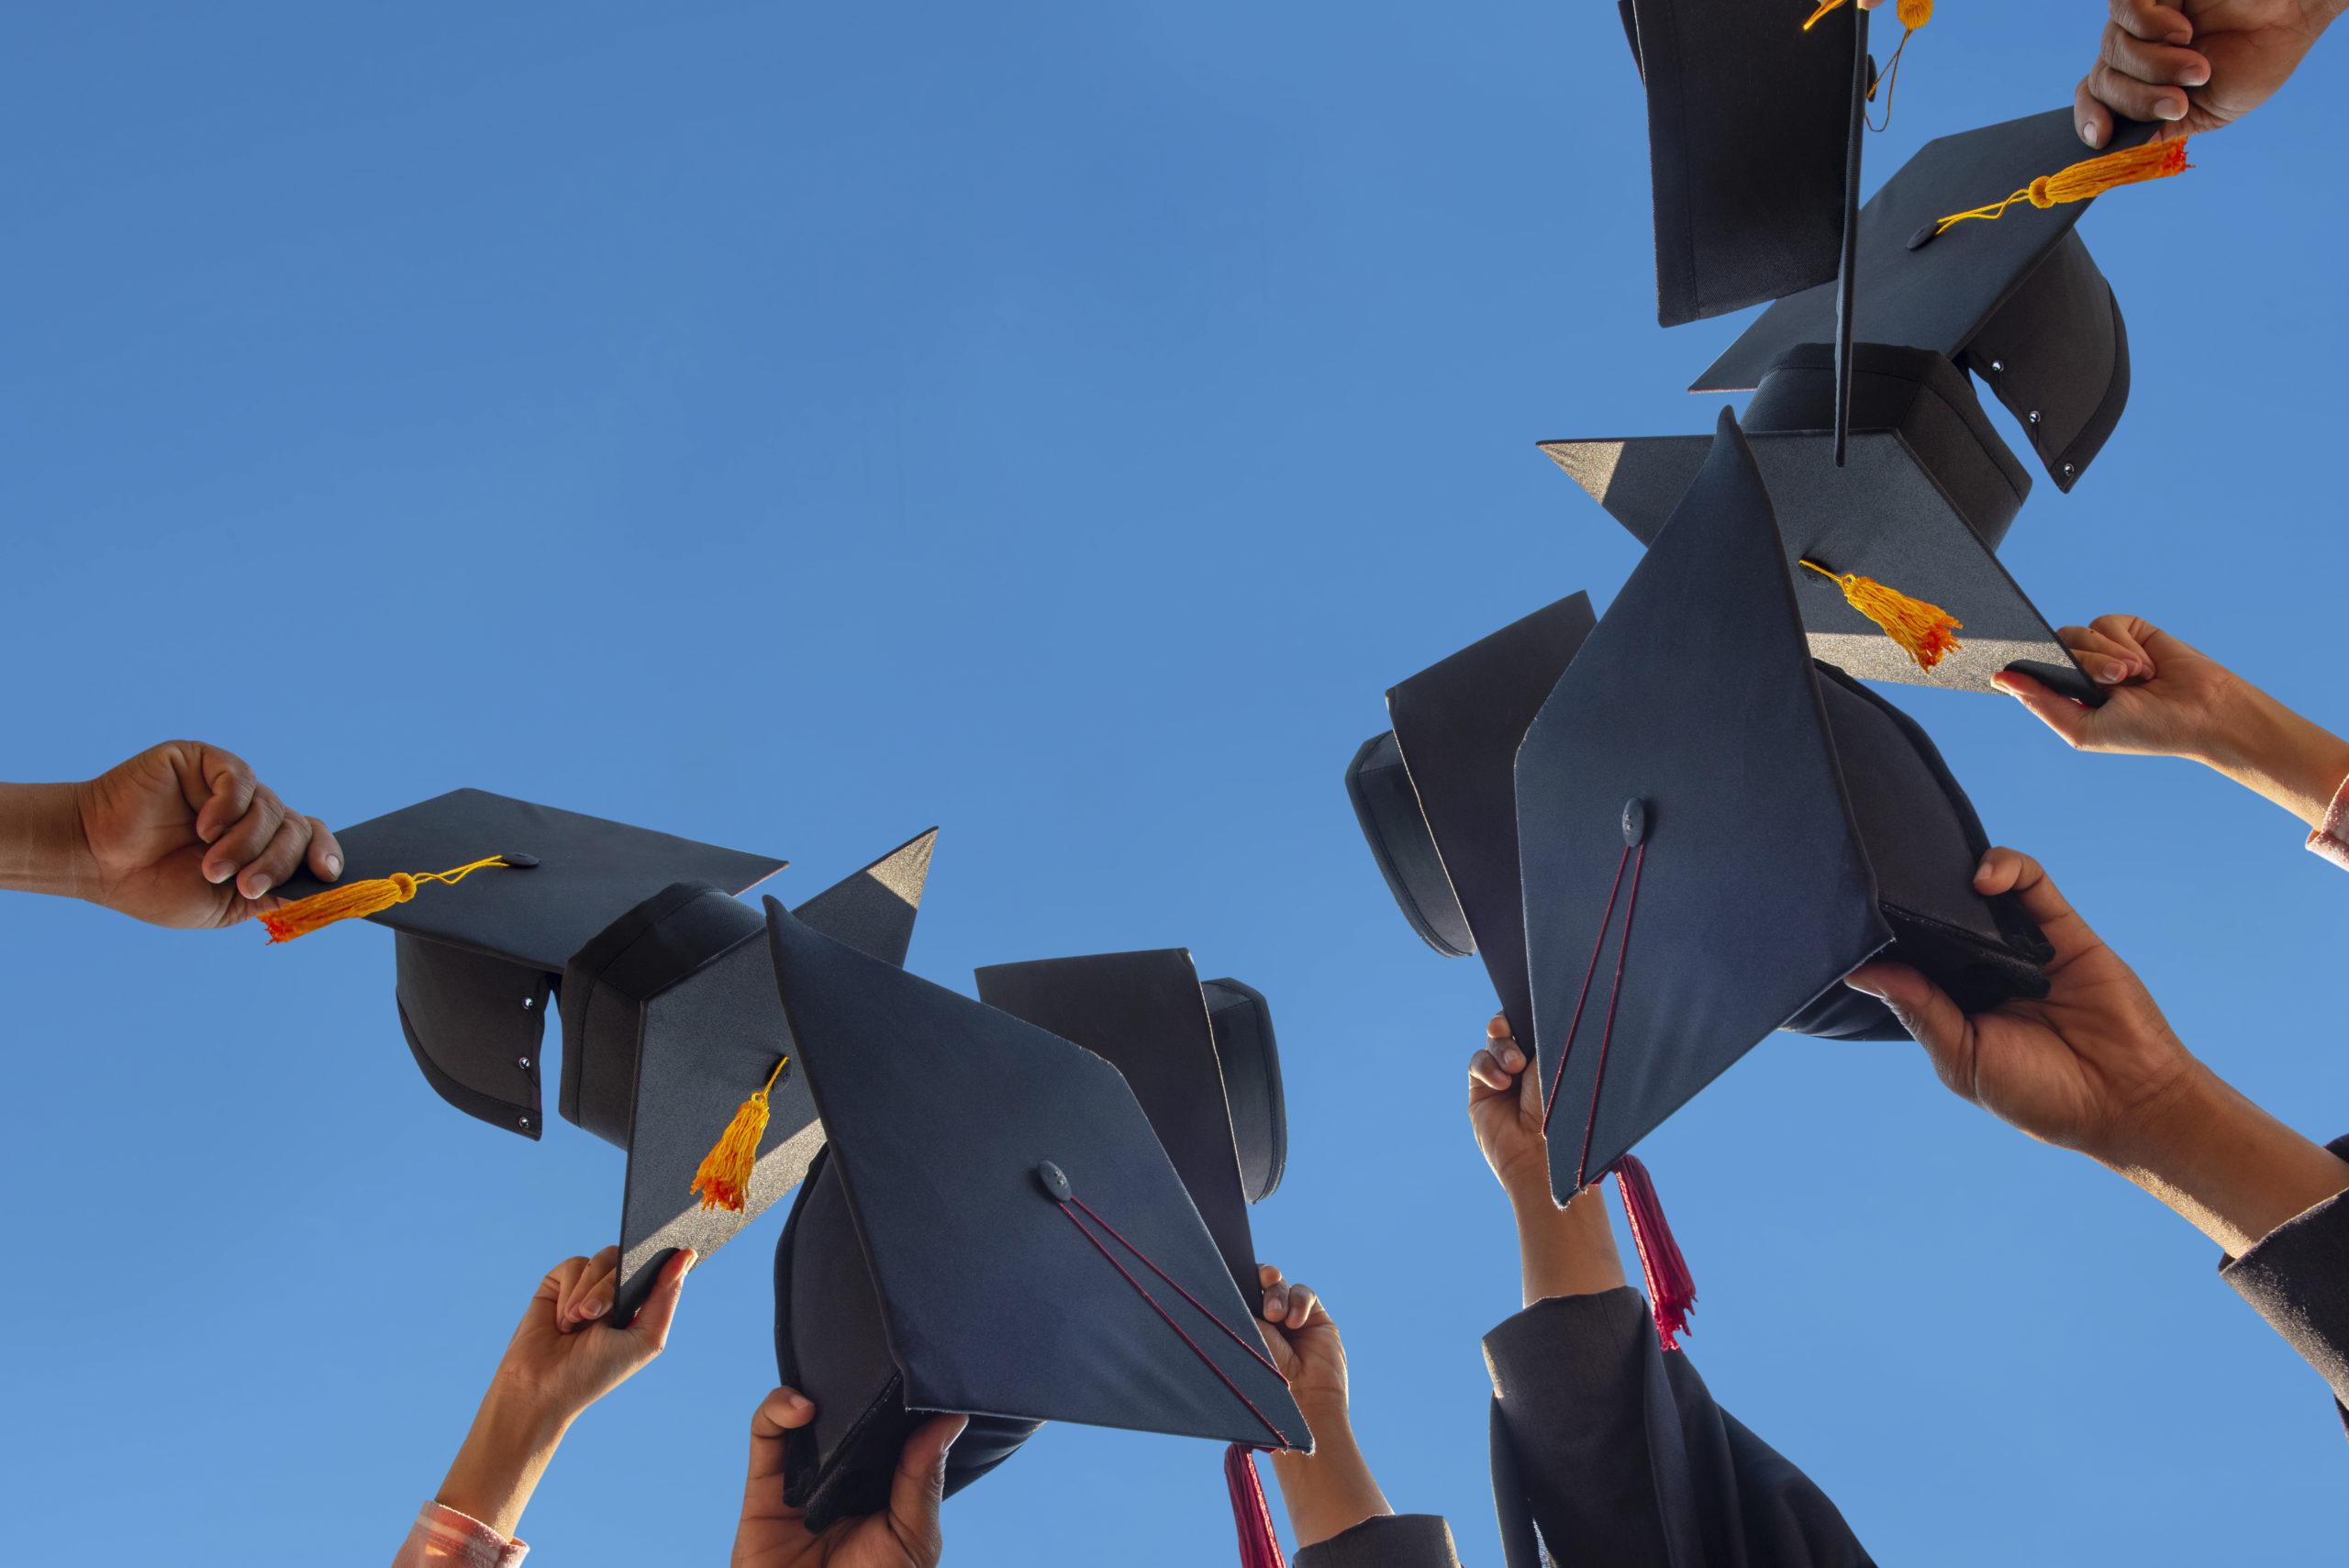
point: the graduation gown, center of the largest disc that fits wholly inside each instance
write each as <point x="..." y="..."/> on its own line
<point x="1616" y="1451"/>
<point x="2296" y="1277"/>
<point x="1391" y="1541"/>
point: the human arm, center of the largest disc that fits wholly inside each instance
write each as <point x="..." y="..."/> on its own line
<point x="2195" y="66"/>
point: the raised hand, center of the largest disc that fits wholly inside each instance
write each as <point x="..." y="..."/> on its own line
<point x="907" y="1535"/>
<point x="2196" y="66"/>
<point x="1505" y="1110"/>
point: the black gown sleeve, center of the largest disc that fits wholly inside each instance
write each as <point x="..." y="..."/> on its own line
<point x="2296" y="1277"/>
<point x="1392" y="1540"/>
<point x="1616" y="1451"/>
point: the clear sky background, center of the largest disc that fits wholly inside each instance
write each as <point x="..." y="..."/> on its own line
<point x="795" y="425"/>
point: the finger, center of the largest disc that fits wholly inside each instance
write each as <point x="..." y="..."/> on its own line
<point x="2157" y="64"/>
<point x="2005" y="871"/>
<point x="659" y="1309"/>
<point x="2106" y="658"/>
<point x="245" y="838"/>
<point x="1268" y="1275"/>
<point x="1498" y="1027"/>
<point x="2135" y="100"/>
<point x="1302" y="1301"/>
<point x="326" y="852"/>
<point x="1485" y="1070"/>
<point x="2153" y="22"/>
<point x="557" y="1285"/>
<point x="590" y="1295"/>
<point x="277" y="858"/>
<point x="2134" y="636"/>
<point x="2089" y="116"/>
<point x="919" y="1487"/>
<point x="1277" y="1303"/>
<point x="576" y="1272"/>
<point x="784" y="1410"/>
<point x="219" y="784"/>
<point x="2050" y="707"/>
<point x="1925" y="1010"/>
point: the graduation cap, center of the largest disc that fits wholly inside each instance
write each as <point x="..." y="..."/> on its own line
<point x="1762" y="825"/>
<point x="1906" y="535"/>
<point x="2017" y="300"/>
<point x="993" y="1229"/>
<point x="1200" y="1057"/>
<point x="671" y="1026"/>
<point x="477" y="954"/>
<point x="1436" y="795"/>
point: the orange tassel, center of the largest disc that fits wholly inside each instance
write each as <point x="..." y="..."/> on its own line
<point x="354" y="899"/>
<point x="1921" y="630"/>
<point x="724" y="1179"/>
<point x="2082" y="182"/>
<point x="1913" y="14"/>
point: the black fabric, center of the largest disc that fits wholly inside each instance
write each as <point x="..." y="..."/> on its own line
<point x="473" y="1024"/>
<point x="1145" y="1015"/>
<point x="467" y="951"/>
<point x="2296" y="1277"/>
<point x="1384" y="1540"/>
<point x="1250" y="1053"/>
<point x="1750" y="125"/>
<point x="940" y="1111"/>
<point x="1695" y="696"/>
<point x="678" y="1024"/>
<point x="824" y="1294"/>
<point x="1632" y="34"/>
<point x="1920" y="506"/>
<point x="1619" y="1454"/>
<point x="2021" y="291"/>
<point x="1387" y="810"/>
<point x="1458" y="724"/>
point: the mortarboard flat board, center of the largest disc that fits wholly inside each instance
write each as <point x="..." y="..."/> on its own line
<point x="1200" y="1057"/>
<point x="1441" y="817"/>
<point x="671" y="1019"/>
<point x="1922" y="506"/>
<point x="953" y="1251"/>
<point x="2019" y="302"/>
<point x="477" y="961"/>
<point x="1761" y="825"/>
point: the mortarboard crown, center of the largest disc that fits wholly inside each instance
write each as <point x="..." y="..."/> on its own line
<point x="993" y="1229"/>
<point x="1920" y="508"/>
<point x="1763" y="826"/>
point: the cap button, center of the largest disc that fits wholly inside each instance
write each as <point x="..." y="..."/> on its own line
<point x="1635" y="820"/>
<point x="1054" y="1182"/>
<point x="520" y="862"/>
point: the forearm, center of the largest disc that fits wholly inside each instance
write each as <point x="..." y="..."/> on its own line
<point x="42" y="846"/>
<point x="1565" y="1251"/>
<point x="2227" y="1167"/>
<point x="2275" y="752"/>
<point x="1331" y="1490"/>
<point x="504" y="1455"/>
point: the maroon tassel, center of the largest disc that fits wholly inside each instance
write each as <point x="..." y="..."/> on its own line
<point x="1671" y="1292"/>
<point x="1259" y="1547"/>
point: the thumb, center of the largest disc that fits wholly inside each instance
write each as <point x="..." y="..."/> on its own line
<point x="2050" y="707"/>
<point x="1925" y="1010"/>
<point x="660" y="1309"/>
<point x="919" y="1487"/>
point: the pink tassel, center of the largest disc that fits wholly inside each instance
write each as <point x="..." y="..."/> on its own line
<point x="1259" y="1547"/>
<point x="1671" y="1292"/>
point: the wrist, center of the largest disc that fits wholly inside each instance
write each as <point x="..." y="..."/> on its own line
<point x="2224" y="1165"/>
<point x="42" y="846"/>
<point x="2276" y="753"/>
<point x="513" y="1438"/>
<point x="1331" y="1490"/>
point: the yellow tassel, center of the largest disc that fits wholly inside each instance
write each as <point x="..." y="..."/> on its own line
<point x="1923" y="630"/>
<point x="2154" y="160"/>
<point x="1913" y="14"/>
<point x="354" y="899"/>
<point x="724" y="1179"/>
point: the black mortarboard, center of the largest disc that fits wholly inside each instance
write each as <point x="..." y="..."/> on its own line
<point x="2018" y="301"/>
<point x="993" y="1229"/>
<point x="1436" y="795"/>
<point x="1201" y="1061"/>
<point x="477" y="961"/>
<point x="670" y="1020"/>
<point x="1762" y="826"/>
<point x="1921" y="507"/>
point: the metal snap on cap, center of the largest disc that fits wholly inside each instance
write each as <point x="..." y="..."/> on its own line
<point x="1635" y="820"/>
<point x="1054" y="1182"/>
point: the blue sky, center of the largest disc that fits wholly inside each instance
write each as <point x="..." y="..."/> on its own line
<point x="795" y="426"/>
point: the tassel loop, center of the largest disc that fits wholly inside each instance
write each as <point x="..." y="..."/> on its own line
<point x="1925" y="631"/>
<point x="1672" y="1292"/>
<point x="724" y="1179"/>
<point x="1250" y="1515"/>
<point x="2087" y="180"/>
<point x="353" y="900"/>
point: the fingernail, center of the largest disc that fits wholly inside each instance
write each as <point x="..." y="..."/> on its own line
<point x="2087" y="133"/>
<point x="592" y="1309"/>
<point x="2198" y="77"/>
<point x="218" y="874"/>
<point x="692" y="1258"/>
<point x="2112" y="672"/>
<point x="334" y="867"/>
<point x="801" y="1401"/>
<point x="2170" y="110"/>
<point x="1864" y="988"/>
<point x="1513" y="1060"/>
